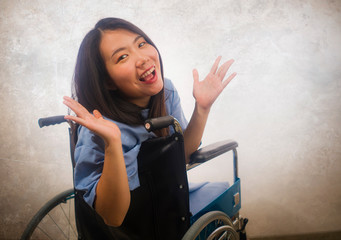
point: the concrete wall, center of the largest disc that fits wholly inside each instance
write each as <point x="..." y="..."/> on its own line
<point x="283" y="108"/>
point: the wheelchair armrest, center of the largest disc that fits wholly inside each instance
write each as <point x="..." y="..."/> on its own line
<point x="211" y="151"/>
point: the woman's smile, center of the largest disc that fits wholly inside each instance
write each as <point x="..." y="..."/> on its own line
<point x="149" y="76"/>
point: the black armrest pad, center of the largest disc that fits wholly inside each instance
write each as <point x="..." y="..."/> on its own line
<point x="211" y="151"/>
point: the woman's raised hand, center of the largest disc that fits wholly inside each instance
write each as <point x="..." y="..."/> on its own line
<point x="95" y="122"/>
<point x="206" y="91"/>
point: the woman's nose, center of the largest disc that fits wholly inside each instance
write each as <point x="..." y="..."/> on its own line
<point x="141" y="60"/>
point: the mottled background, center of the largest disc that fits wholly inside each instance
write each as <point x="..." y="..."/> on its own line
<point x="284" y="106"/>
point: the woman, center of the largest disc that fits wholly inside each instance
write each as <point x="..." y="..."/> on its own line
<point x="119" y="75"/>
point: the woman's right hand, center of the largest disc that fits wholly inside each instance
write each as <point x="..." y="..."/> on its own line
<point x="95" y="122"/>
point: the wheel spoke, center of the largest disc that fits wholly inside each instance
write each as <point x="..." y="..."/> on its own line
<point x="229" y="236"/>
<point x="223" y="232"/>
<point x="46" y="234"/>
<point x="53" y="224"/>
<point x="57" y="226"/>
<point x="68" y="220"/>
<point x="223" y="236"/>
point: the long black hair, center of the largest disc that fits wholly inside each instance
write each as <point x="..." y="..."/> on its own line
<point x="90" y="77"/>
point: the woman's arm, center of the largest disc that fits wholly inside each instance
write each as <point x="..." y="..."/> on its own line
<point x="205" y="93"/>
<point x="112" y="192"/>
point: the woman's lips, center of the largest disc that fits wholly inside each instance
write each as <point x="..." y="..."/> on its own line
<point x="147" y="75"/>
<point x="151" y="78"/>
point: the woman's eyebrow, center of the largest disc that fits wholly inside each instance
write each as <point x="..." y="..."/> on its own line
<point x="123" y="48"/>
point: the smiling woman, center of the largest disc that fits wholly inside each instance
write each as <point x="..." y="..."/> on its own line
<point x="118" y="84"/>
<point x="102" y="55"/>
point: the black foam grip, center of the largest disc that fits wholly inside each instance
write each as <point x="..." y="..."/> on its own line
<point x="158" y="123"/>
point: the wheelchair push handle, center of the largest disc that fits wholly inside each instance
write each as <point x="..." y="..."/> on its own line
<point x="162" y="122"/>
<point x="44" y="122"/>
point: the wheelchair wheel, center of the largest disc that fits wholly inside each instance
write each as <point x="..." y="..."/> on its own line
<point x="212" y="225"/>
<point x="55" y="220"/>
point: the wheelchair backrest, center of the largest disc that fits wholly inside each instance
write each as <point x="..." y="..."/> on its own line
<point x="159" y="208"/>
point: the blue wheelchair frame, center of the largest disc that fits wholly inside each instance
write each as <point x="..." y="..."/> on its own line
<point x="229" y="201"/>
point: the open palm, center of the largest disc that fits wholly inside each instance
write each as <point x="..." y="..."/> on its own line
<point x="95" y="122"/>
<point x="207" y="91"/>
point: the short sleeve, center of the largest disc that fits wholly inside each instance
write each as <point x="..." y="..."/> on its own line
<point x="173" y="104"/>
<point x="89" y="159"/>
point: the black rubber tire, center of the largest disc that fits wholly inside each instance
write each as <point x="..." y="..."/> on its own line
<point x="62" y="197"/>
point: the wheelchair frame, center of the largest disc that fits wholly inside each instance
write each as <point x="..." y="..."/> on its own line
<point x="221" y="215"/>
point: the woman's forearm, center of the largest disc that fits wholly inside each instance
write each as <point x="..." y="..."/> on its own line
<point x="112" y="192"/>
<point x="195" y="129"/>
<point x="205" y="93"/>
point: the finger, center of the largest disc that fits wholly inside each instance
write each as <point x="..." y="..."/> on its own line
<point x="68" y="99"/>
<point x="75" y="119"/>
<point x="75" y="106"/>
<point x="73" y="103"/>
<point x="195" y="76"/>
<point x="224" y="68"/>
<point x="69" y="102"/>
<point x="97" y="114"/>
<point x="72" y="106"/>
<point x="215" y="65"/>
<point x="229" y="79"/>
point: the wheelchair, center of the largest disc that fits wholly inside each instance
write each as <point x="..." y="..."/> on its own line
<point x="165" y="206"/>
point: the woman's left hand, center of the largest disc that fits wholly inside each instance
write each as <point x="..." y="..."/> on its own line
<point x="207" y="91"/>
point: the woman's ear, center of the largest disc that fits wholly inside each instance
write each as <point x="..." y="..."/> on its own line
<point x="110" y="85"/>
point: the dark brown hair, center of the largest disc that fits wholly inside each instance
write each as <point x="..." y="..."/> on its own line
<point x="90" y="76"/>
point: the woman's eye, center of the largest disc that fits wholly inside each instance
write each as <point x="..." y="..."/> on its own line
<point x="142" y="44"/>
<point x="122" y="57"/>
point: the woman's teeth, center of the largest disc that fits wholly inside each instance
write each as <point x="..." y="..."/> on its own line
<point x="150" y="71"/>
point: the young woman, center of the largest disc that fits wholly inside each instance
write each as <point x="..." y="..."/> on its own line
<point x="118" y="83"/>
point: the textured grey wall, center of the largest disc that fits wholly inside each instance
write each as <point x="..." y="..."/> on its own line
<point x="283" y="108"/>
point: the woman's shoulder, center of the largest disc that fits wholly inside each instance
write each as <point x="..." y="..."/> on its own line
<point x="170" y="91"/>
<point x="168" y="85"/>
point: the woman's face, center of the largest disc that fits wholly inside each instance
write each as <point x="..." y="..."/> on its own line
<point x="133" y="65"/>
